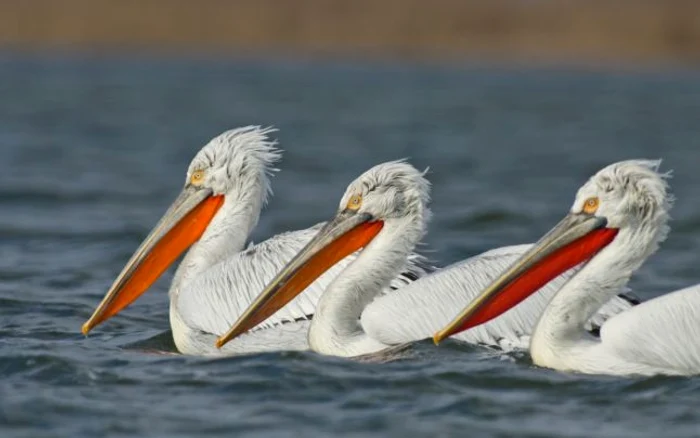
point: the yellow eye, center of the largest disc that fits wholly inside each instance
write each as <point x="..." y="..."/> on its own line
<point x="197" y="177"/>
<point x="591" y="205"/>
<point x="355" y="202"/>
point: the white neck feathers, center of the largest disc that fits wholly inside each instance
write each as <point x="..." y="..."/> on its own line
<point x="335" y="329"/>
<point x="226" y="234"/>
<point x="596" y="283"/>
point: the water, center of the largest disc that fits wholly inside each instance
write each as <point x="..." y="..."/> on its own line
<point x="94" y="149"/>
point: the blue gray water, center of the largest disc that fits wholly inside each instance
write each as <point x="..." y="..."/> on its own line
<point x="93" y="149"/>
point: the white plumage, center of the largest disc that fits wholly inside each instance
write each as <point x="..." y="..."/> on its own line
<point x="219" y="277"/>
<point x="628" y="202"/>
<point x="353" y="318"/>
<point x="660" y="334"/>
<point x="208" y="304"/>
<point x="424" y="306"/>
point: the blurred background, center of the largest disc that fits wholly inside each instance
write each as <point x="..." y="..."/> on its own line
<point x="569" y="31"/>
<point x="512" y="104"/>
<point x="577" y="32"/>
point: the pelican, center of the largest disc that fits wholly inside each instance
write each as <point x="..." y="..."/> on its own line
<point x="618" y="219"/>
<point x="385" y="212"/>
<point x="226" y="186"/>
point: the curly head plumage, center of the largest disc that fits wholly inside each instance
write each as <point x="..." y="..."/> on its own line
<point x="632" y="195"/>
<point x="394" y="189"/>
<point x="236" y="161"/>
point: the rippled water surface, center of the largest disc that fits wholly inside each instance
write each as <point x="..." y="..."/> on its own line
<point x="92" y="150"/>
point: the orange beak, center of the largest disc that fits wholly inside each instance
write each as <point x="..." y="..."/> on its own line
<point x="575" y="240"/>
<point x="342" y="236"/>
<point x="181" y="226"/>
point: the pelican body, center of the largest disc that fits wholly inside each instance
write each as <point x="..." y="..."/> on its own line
<point x="618" y="219"/>
<point x="384" y="214"/>
<point x="226" y="186"/>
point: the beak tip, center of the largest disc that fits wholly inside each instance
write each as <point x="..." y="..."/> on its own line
<point x="220" y="342"/>
<point x="85" y="328"/>
<point x="441" y="336"/>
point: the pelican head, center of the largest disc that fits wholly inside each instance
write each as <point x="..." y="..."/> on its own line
<point x="626" y="202"/>
<point x="229" y="167"/>
<point x="234" y="161"/>
<point x="387" y="193"/>
<point x="631" y="195"/>
<point x="390" y="190"/>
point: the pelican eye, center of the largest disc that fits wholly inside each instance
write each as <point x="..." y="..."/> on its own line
<point x="591" y="205"/>
<point x="355" y="202"/>
<point x="197" y="177"/>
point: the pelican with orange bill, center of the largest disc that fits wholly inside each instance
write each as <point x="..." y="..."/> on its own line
<point x="384" y="213"/>
<point x="181" y="226"/>
<point x="226" y="187"/>
<point x="618" y="219"/>
<point x="574" y="240"/>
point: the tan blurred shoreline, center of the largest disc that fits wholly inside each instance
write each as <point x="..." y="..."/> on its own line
<point x="566" y="31"/>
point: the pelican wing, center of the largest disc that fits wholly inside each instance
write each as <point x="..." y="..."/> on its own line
<point x="213" y="301"/>
<point x="425" y="306"/>
<point x="661" y="333"/>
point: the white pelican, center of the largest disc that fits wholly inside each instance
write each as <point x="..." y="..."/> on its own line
<point x="226" y="186"/>
<point x="617" y="221"/>
<point x="385" y="211"/>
